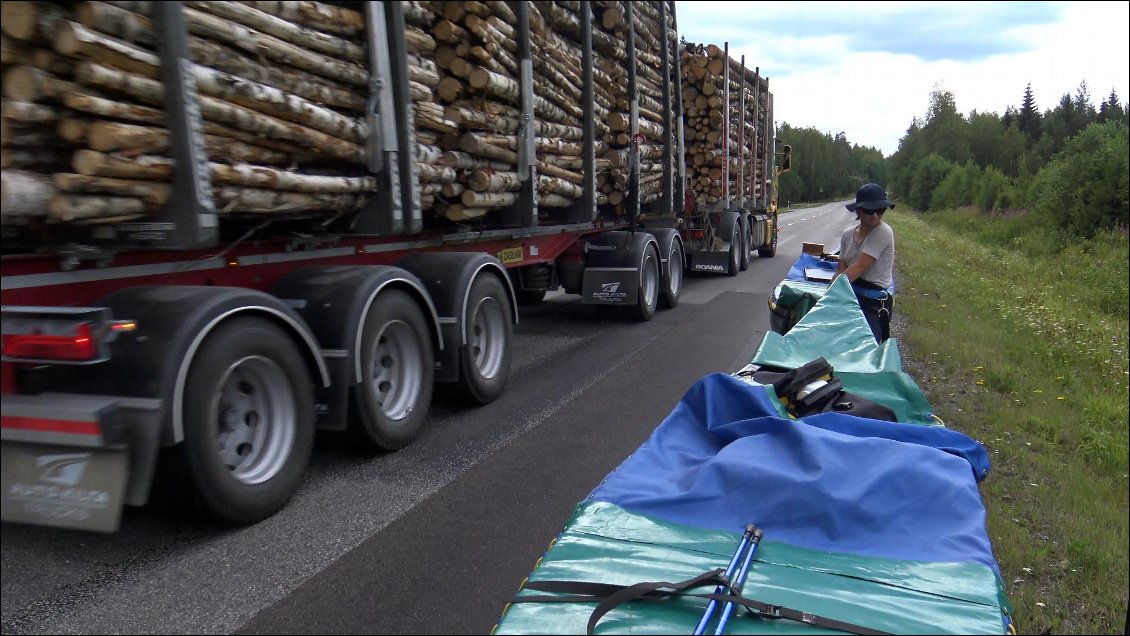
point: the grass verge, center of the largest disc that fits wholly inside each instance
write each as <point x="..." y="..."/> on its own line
<point x="1018" y="337"/>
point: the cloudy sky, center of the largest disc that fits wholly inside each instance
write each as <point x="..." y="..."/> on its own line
<point x="867" y="69"/>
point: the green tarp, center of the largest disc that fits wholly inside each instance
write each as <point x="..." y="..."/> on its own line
<point x="607" y="544"/>
<point x="836" y="329"/>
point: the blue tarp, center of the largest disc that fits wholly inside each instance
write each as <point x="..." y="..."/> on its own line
<point x="796" y="272"/>
<point x="724" y="458"/>
<point x="872" y="522"/>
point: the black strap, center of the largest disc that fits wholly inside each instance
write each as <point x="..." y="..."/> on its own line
<point x="612" y="596"/>
<point x="609" y="596"/>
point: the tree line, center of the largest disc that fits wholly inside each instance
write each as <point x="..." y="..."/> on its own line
<point x="1068" y="165"/>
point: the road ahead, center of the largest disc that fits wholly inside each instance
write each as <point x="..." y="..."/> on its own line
<point x="433" y="539"/>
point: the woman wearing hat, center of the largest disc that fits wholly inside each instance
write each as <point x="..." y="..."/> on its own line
<point x="867" y="258"/>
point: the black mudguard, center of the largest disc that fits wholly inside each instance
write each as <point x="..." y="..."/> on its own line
<point x="448" y="277"/>
<point x="334" y="301"/>
<point x="612" y="267"/>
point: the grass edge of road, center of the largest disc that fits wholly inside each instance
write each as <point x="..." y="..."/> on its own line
<point x="1025" y="349"/>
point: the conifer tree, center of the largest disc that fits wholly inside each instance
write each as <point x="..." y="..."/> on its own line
<point x="1029" y="117"/>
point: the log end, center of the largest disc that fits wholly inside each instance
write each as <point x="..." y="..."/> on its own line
<point x="18" y="19"/>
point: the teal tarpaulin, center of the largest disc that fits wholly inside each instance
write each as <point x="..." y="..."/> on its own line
<point x="836" y="330"/>
<point x="879" y="524"/>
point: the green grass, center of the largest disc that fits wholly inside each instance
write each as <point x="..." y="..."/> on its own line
<point x="1018" y="337"/>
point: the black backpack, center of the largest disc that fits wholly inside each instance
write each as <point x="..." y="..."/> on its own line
<point x="812" y="388"/>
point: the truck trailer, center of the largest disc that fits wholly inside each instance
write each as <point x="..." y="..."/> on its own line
<point x="229" y="224"/>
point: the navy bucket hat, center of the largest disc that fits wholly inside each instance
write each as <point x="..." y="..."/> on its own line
<point x="871" y="196"/>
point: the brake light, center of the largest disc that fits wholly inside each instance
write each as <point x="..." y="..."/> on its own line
<point x="79" y="345"/>
<point x="696" y="234"/>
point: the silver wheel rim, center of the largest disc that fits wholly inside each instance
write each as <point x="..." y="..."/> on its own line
<point x="256" y="419"/>
<point x="735" y="250"/>
<point x="675" y="266"/>
<point x="649" y="280"/>
<point x="487" y="337"/>
<point x="396" y="370"/>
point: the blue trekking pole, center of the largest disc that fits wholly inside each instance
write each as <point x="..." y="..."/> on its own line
<point x="728" y="608"/>
<point x="750" y="529"/>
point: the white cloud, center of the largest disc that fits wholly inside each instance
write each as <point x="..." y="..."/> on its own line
<point x="867" y="69"/>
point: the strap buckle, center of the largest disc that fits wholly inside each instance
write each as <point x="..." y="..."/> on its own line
<point x="774" y="611"/>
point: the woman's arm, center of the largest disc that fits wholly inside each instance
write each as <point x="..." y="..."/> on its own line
<point x="856" y="269"/>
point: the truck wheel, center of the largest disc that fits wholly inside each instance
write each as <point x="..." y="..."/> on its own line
<point x="397" y="369"/>
<point x="648" y="297"/>
<point x="770" y="250"/>
<point x="673" y="281"/>
<point x="735" y="250"/>
<point x="485" y="358"/>
<point x="747" y="244"/>
<point x="248" y="421"/>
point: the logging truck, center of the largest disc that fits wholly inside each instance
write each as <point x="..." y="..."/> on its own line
<point x="229" y="224"/>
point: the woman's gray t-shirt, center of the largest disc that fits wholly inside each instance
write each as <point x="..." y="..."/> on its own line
<point x="880" y="245"/>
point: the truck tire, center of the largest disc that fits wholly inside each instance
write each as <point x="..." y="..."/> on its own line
<point x="736" y="249"/>
<point x="489" y="326"/>
<point x="747" y="244"/>
<point x="673" y="281"/>
<point x="397" y="370"/>
<point x="648" y="298"/>
<point x="248" y="421"/>
<point x="770" y="250"/>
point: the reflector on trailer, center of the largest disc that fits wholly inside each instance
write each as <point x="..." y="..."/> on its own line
<point x="49" y="425"/>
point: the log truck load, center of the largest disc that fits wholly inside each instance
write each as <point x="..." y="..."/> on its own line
<point x="228" y="224"/>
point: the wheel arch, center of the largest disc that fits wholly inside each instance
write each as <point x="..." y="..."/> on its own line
<point x="173" y="323"/>
<point x="607" y="249"/>
<point x="665" y="239"/>
<point x="726" y="221"/>
<point x="335" y="300"/>
<point x="448" y="277"/>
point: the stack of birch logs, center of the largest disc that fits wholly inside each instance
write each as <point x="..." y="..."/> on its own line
<point x="654" y="127"/>
<point x="478" y="89"/>
<point x="763" y="159"/>
<point x="281" y="95"/>
<point x="473" y="114"/>
<point x="283" y="87"/>
<point x="750" y="150"/>
<point x="707" y="136"/>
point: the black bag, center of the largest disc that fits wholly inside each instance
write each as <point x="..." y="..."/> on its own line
<point x="812" y="388"/>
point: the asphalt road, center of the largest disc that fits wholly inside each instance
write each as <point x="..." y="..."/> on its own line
<point x="433" y="539"/>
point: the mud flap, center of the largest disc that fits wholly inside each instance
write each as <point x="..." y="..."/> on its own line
<point x="715" y="258"/>
<point x="610" y="286"/>
<point x="612" y="268"/>
<point x="713" y="262"/>
<point x="63" y="486"/>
